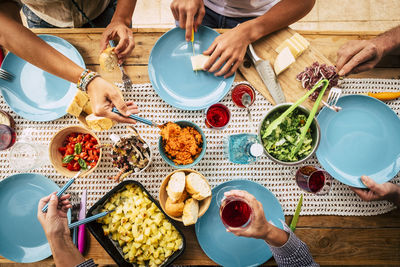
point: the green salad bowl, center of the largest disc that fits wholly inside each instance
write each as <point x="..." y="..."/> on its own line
<point x="315" y="133"/>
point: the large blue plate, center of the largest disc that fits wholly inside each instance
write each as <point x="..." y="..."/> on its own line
<point x="227" y="249"/>
<point x="362" y="139"/>
<point x="39" y="95"/>
<point x="21" y="236"/>
<point x="171" y="74"/>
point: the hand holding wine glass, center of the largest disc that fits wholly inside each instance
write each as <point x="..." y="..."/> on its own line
<point x="259" y="227"/>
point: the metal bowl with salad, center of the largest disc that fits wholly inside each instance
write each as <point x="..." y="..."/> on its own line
<point x="279" y="145"/>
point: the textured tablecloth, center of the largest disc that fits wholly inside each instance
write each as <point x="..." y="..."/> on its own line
<point x="278" y="179"/>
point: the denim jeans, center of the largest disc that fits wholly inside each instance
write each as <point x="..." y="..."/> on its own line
<point x="215" y="20"/>
<point x="100" y="22"/>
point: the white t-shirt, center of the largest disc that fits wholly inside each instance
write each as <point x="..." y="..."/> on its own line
<point x="240" y="8"/>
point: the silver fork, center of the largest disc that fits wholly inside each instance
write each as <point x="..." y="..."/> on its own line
<point x="333" y="97"/>
<point x="125" y="78"/>
<point x="5" y="75"/>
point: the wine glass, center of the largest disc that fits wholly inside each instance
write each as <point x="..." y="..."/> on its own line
<point x="313" y="179"/>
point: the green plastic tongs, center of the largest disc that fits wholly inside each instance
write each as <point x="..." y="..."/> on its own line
<point x="304" y="129"/>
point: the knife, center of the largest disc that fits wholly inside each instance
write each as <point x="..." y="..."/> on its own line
<point x="81" y="231"/>
<point x="296" y="214"/>
<point x="267" y="75"/>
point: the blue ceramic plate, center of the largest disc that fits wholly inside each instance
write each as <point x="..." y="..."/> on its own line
<point x="362" y="139"/>
<point x="22" y="237"/>
<point x="39" y="95"/>
<point x="172" y="76"/>
<point x="225" y="248"/>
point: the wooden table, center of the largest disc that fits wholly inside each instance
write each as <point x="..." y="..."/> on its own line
<point x="333" y="240"/>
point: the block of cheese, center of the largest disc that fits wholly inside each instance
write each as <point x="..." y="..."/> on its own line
<point x="199" y="61"/>
<point x="283" y="60"/>
<point x="88" y="108"/>
<point x="99" y="123"/>
<point x="108" y="59"/>
<point x="297" y="45"/>
<point x="77" y="104"/>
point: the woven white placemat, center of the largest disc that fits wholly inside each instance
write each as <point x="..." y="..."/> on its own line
<point x="278" y="179"/>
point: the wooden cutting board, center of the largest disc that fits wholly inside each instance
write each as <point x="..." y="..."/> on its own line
<point x="265" y="49"/>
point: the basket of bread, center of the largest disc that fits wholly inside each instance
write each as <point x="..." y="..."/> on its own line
<point x="185" y="195"/>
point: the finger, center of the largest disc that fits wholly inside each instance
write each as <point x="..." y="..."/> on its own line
<point x="128" y="50"/>
<point x="133" y="110"/>
<point x="361" y="57"/>
<point x="228" y="65"/>
<point x="174" y="11"/>
<point x="199" y="18"/>
<point x="119" y="103"/>
<point x="123" y="42"/>
<point x="217" y="65"/>
<point x="64" y="197"/>
<point x="363" y="67"/>
<point x="65" y="208"/>
<point x="111" y="115"/>
<point x="105" y="37"/>
<point x="131" y="103"/>
<point x="210" y="49"/>
<point x="64" y="202"/>
<point x="377" y="188"/>
<point x="53" y="203"/>
<point x="182" y="19"/>
<point x="233" y="69"/>
<point x="364" y="194"/>
<point x="42" y="203"/>
<point x="346" y="52"/>
<point x="189" y="26"/>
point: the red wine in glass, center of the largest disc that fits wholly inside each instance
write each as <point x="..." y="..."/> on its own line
<point x="235" y="212"/>
<point x="217" y="116"/>
<point x="239" y="90"/>
<point x="313" y="180"/>
<point x="7" y="137"/>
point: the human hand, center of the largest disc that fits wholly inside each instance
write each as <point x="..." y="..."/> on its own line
<point x="189" y="13"/>
<point x="386" y="191"/>
<point x="126" y="43"/>
<point x="103" y="96"/>
<point x="54" y="221"/>
<point x="230" y="48"/>
<point x="358" y="56"/>
<point x="259" y="226"/>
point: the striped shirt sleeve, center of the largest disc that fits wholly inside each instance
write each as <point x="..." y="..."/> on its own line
<point x="294" y="253"/>
<point x="87" y="263"/>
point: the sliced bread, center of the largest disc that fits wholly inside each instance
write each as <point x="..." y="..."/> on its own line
<point x="190" y="212"/>
<point x="176" y="186"/>
<point x="197" y="186"/>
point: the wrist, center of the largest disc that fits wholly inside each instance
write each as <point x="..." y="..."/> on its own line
<point x="252" y="30"/>
<point x="384" y="43"/>
<point x="122" y="20"/>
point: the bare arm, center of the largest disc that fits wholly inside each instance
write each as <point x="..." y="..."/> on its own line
<point x="231" y="46"/>
<point x="25" y="44"/>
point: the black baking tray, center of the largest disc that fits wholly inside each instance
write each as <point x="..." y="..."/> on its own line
<point x="113" y="248"/>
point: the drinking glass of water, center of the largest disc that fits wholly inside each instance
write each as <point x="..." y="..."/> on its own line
<point x="27" y="154"/>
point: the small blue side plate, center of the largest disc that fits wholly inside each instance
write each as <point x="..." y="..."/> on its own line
<point x="22" y="237"/>
<point x="362" y="139"/>
<point x="39" y="95"/>
<point x="225" y="248"/>
<point x="172" y="76"/>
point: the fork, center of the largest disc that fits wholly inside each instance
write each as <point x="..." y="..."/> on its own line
<point x="125" y="78"/>
<point x="5" y="75"/>
<point x="333" y="97"/>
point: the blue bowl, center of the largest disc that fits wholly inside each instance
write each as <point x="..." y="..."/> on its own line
<point x="197" y="160"/>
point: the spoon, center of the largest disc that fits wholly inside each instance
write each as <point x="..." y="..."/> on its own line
<point x="246" y="101"/>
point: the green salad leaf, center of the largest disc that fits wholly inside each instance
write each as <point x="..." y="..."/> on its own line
<point x="282" y="140"/>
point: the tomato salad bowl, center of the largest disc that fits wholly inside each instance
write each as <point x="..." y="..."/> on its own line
<point x="74" y="149"/>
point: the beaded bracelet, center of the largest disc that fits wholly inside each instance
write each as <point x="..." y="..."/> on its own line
<point x="86" y="77"/>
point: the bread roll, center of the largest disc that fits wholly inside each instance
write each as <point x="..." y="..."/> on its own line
<point x="99" y="123"/>
<point x="174" y="209"/>
<point x="176" y="186"/>
<point x="108" y="59"/>
<point x="197" y="186"/>
<point x="190" y="212"/>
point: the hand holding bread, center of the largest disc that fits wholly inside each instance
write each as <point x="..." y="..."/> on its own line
<point x="187" y="196"/>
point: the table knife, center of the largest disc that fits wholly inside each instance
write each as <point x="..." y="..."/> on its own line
<point x="82" y="215"/>
<point x="267" y="75"/>
<point x="296" y="214"/>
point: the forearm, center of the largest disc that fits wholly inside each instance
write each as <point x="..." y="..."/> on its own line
<point x="25" y="44"/>
<point x="389" y="40"/>
<point x="124" y="11"/>
<point x="65" y="254"/>
<point x="281" y="15"/>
